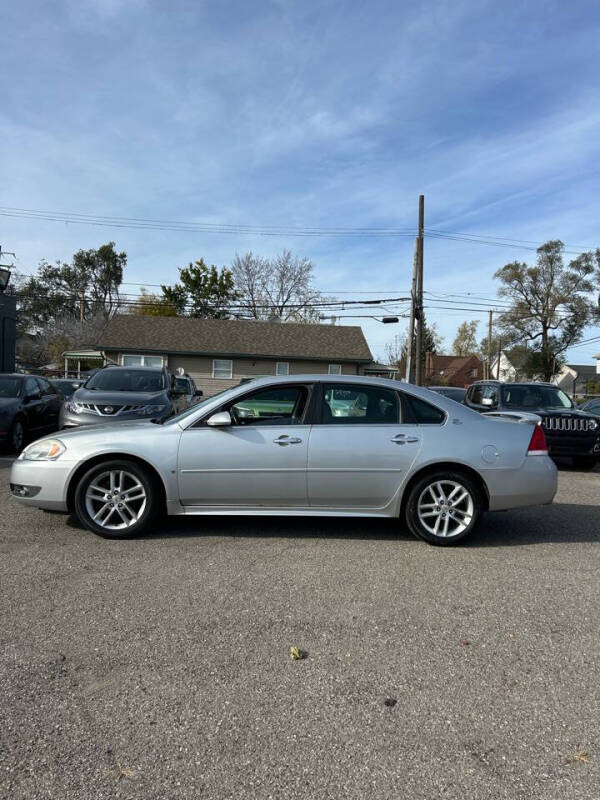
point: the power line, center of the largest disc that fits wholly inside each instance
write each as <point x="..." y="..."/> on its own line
<point x="195" y="227"/>
<point x="502" y="238"/>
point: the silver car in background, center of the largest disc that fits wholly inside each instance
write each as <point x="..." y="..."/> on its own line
<point x="309" y="445"/>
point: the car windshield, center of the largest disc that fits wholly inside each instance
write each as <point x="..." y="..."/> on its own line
<point x="182" y="383"/>
<point x="193" y="409"/>
<point x="127" y="380"/>
<point x="9" y="387"/>
<point x="65" y="386"/>
<point x="530" y="397"/>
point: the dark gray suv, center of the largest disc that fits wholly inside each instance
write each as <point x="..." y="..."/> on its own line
<point x="122" y="394"/>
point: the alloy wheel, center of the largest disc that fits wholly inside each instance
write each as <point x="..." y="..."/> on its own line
<point x="115" y="499"/>
<point x="445" y="508"/>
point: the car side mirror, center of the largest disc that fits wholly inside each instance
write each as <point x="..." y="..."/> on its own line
<point x="219" y="420"/>
<point x="29" y="398"/>
<point x="198" y="393"/>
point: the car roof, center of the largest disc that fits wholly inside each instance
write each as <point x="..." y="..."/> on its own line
<point x="132" y="366"/>
<point x="16" y="375"/>
<point x="419" y="391"/>
<point x="516" y="383"/>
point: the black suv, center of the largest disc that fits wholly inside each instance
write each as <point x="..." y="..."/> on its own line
<point x="122" y="394"/>
<point x="569" y="432"/>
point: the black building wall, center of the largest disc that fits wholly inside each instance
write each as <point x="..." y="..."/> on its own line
<point x="8" y="321"/>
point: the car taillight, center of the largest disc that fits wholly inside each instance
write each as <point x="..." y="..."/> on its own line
<point x="537" y="445"/>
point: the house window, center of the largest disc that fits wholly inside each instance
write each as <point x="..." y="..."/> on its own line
<point x="282" y="368"/>
<point x="335" y="369"/>
<point x="222" y="368"/>
<point x="474" y="372"/>
<point x="142" y="361"/>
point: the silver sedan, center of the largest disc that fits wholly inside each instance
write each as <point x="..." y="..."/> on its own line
<point x="300" y="445"/>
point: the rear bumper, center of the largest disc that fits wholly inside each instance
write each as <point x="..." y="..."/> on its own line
<point x="533" y="484"/>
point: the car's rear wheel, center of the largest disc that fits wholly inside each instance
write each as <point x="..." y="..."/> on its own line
<point x="16" y="436"/>
<point x="117" y="499"/>
<point x="584" y="463"/>
<point x="443" y="508"/>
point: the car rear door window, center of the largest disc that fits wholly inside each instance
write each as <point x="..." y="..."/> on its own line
<point x="423" y="412"/>
<point x="344" y="403"/>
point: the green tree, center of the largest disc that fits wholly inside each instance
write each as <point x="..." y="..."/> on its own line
<point x="202" y="291"/>
<point x="152" y="305"/>
<point x="549" y="304"/>
<point x="88" y="287"/>
<point x="465" y="342"/>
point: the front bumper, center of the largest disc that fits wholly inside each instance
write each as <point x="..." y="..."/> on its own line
<point x="49" y="478"/>
<point x="573" y="445"/>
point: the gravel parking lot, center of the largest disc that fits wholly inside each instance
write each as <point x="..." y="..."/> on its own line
<point x="160" y="667"/>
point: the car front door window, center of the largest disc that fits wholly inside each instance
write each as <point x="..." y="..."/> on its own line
<point x="282" y="406"/>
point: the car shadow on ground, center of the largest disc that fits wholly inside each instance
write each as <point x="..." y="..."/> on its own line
<point x="558" y="523"/>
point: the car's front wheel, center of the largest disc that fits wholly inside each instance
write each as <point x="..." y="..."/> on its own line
<point x="16" y="436"/>
<point x="443" y="507"/>
<point x="117" y="499"/>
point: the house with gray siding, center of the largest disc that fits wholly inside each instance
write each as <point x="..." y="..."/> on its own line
<point x="219" y="353"/>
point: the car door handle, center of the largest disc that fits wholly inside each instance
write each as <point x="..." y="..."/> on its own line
<point x="285" y="439"/>
<point x="403" y="438"/>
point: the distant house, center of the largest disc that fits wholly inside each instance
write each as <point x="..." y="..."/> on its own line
<point x="574" y="378"/>
<point x="219" y="353"/>
<point x="452" y="370"/>
<point x="512" y="365"/>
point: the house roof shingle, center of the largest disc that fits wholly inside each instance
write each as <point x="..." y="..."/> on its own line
<point x="234" y="338"/>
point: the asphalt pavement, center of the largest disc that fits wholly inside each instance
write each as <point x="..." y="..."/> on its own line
<point x="160" y="667"/>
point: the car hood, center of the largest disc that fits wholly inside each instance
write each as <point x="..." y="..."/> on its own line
<point x="103" y="429"/>
<point x="118" y="398"/>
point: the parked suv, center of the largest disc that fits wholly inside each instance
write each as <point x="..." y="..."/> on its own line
<point x="569" y="431"/>
<point x="122" y="394"/>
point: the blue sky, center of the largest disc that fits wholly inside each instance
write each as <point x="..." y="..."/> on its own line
<point x="308" y="114"/>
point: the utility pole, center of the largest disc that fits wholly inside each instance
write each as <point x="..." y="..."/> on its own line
<point x="410" y="343"/>
<point x="419" y="342"/>
<point x="499" y="357"/>
<point x="489" y="347"/>
<point x="81" y="305"/>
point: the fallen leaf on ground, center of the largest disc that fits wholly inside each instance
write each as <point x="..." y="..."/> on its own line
<point x="296" y="654"/>
<point x="120" y="772"/>
<point x="580" y="757"/>
<point x="390" y="702"/>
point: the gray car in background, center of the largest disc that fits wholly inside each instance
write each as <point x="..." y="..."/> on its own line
<point x="301" y="445"/>
<point x="122" y="394"/>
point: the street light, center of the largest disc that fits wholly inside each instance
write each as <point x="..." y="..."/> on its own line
<point x="4" y="278"/>
<point x="383" y="320"/>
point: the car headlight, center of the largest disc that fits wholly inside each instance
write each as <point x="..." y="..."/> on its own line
<point x="44" y="450"/>
<point x="153" y="410"/>
<point x="74" y="407"/>
<point x="593" y="425"/>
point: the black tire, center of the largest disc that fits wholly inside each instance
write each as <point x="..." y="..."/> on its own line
<point x="113" y="515"/>
<point x="467" y="512"/>
<point x="584" y="463"/>
<point x="16" y="436"/>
